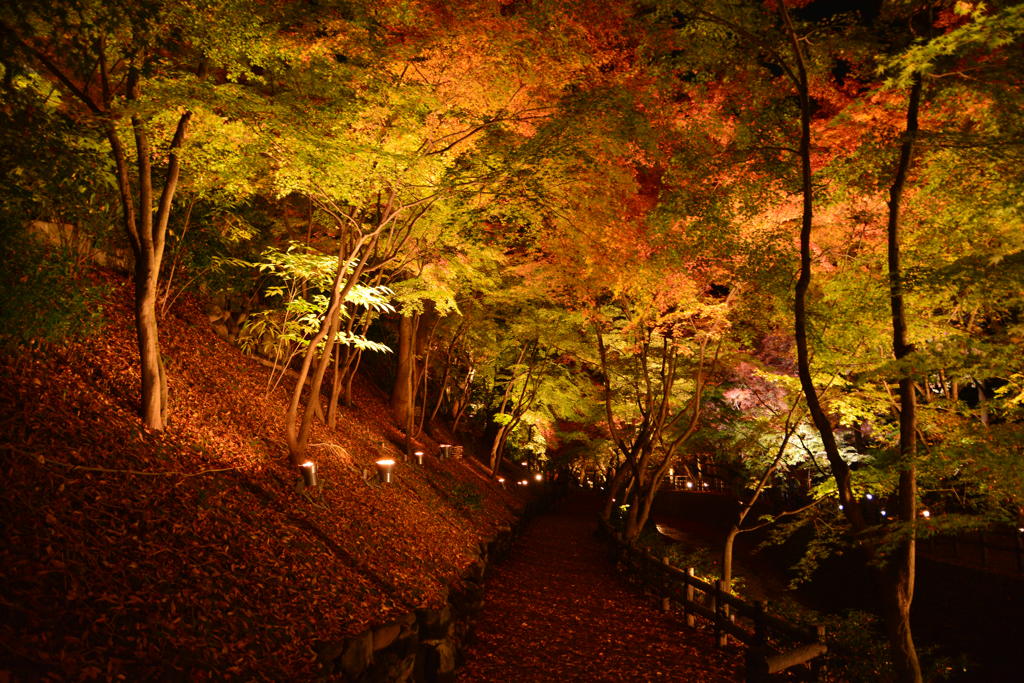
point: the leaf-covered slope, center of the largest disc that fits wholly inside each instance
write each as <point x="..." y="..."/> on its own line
<point x="191" y="551"/>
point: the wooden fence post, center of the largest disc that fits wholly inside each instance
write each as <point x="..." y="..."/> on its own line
<point x="666" y="587"/>
<point x="817" y="664"/>
<point x="720" y="614"/>
<point x="691" y="618"/>
<point x="757" y="653"/>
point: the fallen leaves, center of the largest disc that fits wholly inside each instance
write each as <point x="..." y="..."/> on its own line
<point x="557" y="611"/>
<point x="135" y="555"/>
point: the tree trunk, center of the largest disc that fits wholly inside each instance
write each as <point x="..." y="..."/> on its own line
<point x="615" y="486"/>
<point x="296" y="434"/>
<point x="402" y="391"/>
<point x="634" y="498"/>
<point x="152" y="407"/>
<point x="497" y="448"/>
<point x="840" y="470"/>
<point x="146" y="229"/>
<point x="342" y="363"/>
<point x="727" y="553"/>
<point x="147" y="234"/>
<point x="899" y="574"/>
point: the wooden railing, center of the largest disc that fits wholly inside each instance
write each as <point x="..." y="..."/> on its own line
<point x="773" y="644"/>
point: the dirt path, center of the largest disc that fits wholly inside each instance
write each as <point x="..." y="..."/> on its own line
<point x="556" y="611"/>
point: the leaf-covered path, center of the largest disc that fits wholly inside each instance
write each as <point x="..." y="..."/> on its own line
<point x="556" y="611"/>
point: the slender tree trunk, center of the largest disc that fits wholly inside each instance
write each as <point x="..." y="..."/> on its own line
<point x="727" y="555"/>
<point x="424" y="391"/>
<point x="147" y="234"/>
<point x="496" y="447"/>
<point x="338" y="378"/>
<point x="899" y="574"/>
<point x="296" y="434"/>
<point x="840" y="470"/>
<point x="350" y="376"/>
<point x="898" y="577"/>
<point x="332" y="402"/>
<point x="146" y="228"/>
<point x="402" y="391"/>
<point x="153" y="409"/>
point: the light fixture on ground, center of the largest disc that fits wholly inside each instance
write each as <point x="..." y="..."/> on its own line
<point x="384" y="468"/>
<point x="444" y="450"/>
<point x="309" y="473"/>
<point x="538" y="477"/>
<point x="689" y="484"/>
<point x="419" y="457"/>
<point x="501" y="482"/>
<point x="926" y="514"/>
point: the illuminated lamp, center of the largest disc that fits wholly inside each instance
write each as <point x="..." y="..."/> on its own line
<point x="384" y="468"/>
<point x="926" y="514"/>
<point x="538" y="477"/>
<point x="419" y="457"/>
<point x="501" y="482"/>
<point x="444" y="450"/>
<point x="869" y="496"/>
<point x="689" y="484"/>
<point x="309" y="473"/>
<point x="883" y="513"/>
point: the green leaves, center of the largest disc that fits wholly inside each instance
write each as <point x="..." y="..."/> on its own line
<point x="984" y="30"/>
<point x="297" y="280"/>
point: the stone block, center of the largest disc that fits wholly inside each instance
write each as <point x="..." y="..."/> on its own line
<point x="435" y="662"/>
<point x="391" y="668"/>
<point x="358" y="655"/>
<point x="329" y="650"/>
<point x="384" y="636"/>
<point x="434" y="624"/>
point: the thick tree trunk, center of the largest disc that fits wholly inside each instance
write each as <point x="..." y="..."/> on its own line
<point x="615" y="486"/>
<point x="632" y="528"/>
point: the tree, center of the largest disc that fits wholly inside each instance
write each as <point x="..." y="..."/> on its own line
<point x="112" y="64"/>
<point x="816" y="84"/>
